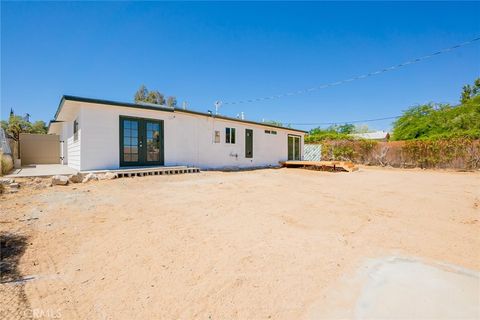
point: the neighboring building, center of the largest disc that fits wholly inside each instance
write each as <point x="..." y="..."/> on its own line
<point x="100" y="134"/>
<point x="376" y="135"/>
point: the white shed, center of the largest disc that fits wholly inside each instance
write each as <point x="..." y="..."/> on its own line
<point x="100" y="134"/>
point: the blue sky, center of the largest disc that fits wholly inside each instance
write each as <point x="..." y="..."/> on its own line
<point x="202" y="52"/>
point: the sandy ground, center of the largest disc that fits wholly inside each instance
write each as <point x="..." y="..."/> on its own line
<point x="243" y="245"/>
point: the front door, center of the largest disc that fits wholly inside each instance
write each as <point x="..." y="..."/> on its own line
<point x="248" y="143"/>
<point x="141" y="142"/>
<point x="293" y="147"/>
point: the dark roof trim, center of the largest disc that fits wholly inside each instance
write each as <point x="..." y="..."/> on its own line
<point x="161" y="108"/>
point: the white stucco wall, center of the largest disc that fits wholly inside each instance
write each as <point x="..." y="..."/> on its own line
<point x="188" y="140"/>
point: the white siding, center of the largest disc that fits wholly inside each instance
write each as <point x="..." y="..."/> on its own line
<point x="74" y="153"/>
<point x="188" y="140"/>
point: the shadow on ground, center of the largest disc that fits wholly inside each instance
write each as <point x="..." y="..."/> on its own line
<point x="14" y="303"/>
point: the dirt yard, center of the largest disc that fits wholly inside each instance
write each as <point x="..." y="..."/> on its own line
<point x="242" y="245"/>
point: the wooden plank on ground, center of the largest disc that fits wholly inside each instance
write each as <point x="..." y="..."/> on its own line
<point x="345" y="165"/>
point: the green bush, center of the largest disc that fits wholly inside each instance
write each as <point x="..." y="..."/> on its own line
<point x="439" y="121"/>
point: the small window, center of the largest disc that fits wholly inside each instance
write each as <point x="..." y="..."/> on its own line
<point x="75" y="130"/>
<point x="267" y="131"/>
<point x="270" y="132"/>
<point x="230" y="135"/>
<point x="217" y="137"/>
<point x="273" y="132"/>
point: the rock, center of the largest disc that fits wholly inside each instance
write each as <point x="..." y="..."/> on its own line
<point x="14" y="185"/>
<point x="59" y="180"/>
<point x="37" y="180"/>
<point x="110" y="176"/>
<point x="6" y="181"/>
<point x="12" y="191"/>
<point x="89" y="177"/>
<point x="76" y="178"/>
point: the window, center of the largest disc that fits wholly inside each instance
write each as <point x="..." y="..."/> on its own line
<point x="75" y="130"/>
<point x="230" y="135"/>
<point x="270" y="132"/>
<point x="217" y="136"/>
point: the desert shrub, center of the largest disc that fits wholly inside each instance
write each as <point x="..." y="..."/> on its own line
<point x="338" y="150"/>
<point x="344" y="152"/>
<point x="7" y="163"/>
<point x="366" y="149"/>
<point x="437" y="152"/>
<point x="2" y="188"/>
<point x="459" y="153"/>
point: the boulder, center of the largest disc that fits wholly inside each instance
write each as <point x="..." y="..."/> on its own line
<point x="110" y="175"/>
<point x="14" y="185"/>
<point x="90" y="177"/>
<point x="59" y="180"/>
<point x="6" y="181"/>
<point x="76" y="178"/>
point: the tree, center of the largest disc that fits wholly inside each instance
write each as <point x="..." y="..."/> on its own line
<point x="39" y="127"/>
<point x="468" y="91"/>
<point x="172" y="102"/>
<point x="141" y="94"/>
<point x="155" y="97"/>
<point x="441" y="120"/>
<point x="17" y="124"/>
<point x="346" y="128"/>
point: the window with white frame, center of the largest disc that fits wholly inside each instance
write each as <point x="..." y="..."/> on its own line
<point x="230" y="135"/>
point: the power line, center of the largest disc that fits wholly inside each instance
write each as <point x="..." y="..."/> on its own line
<point x="363" y="76"/>
<point x="339" y="122"/>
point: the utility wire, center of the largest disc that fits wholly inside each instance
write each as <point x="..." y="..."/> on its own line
<point x="339" y="122"/>
<point x="363" y="76"/>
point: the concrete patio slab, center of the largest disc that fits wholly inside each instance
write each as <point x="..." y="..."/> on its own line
<point x="41" y="170"/>
<point x="404" y="288"/>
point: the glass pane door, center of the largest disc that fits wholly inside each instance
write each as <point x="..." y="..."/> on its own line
<point x="297" y="148"/>
<point x="290" y="148"/>
<point x="294" y="148"/>
<point x="153" y="141"/>
<point x="141" y="142"/>
<point x="131" y="142"/>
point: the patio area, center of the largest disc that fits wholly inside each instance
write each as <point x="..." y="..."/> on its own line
<point x="41" y="170"/>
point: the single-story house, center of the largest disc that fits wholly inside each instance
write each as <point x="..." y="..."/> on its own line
<point x="100" y="134"/>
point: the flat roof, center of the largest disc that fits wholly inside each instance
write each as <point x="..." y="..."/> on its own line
<point x="161" y="108"/>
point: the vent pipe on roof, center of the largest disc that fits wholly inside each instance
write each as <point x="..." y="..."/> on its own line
<point x="217" y="106"/>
